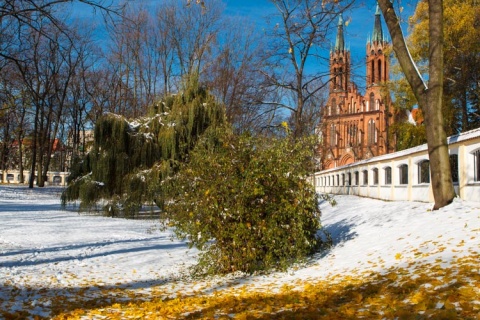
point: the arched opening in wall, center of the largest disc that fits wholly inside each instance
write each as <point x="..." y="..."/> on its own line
<point x="357" y="178"/>
<point x="346" y="159"/>
<point x="343" y="179"/>
<point x="334" y="106"/>
<point x="388" y="175"/>
<point x="454" y="167"/>
<point x="424" y="171"/>
<point x="403" y="174"/>
<point x="365" y="177"/>
<point x="375" y="176"/>
<point x="328" y="164"/>
<point x="349" y="178"/>
<point x="476" y="165"/>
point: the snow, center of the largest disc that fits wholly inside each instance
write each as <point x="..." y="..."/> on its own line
<point x="47" y="252"/>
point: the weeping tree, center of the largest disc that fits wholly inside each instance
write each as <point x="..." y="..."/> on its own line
<point x="129" y="159"/>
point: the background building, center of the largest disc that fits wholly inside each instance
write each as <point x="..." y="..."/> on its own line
<point x="355" y="126"/>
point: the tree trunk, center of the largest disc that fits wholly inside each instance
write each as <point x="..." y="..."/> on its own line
<point x="34" y="150"/>
<point x="430" y="100"/>
<point x="441" y="175"/>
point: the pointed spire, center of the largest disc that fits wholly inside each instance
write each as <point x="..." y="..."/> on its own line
<point x="340" y="41"/>
<point x="377" y="29"/>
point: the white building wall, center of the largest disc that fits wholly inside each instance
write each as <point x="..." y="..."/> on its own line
<point x="53" y="178"/>
<point x="468" y="187"/>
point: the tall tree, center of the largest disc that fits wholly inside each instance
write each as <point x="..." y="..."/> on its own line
<point x="234" y="78"/>
<point x="301" y="30"/>
<point x="429" y="96"/>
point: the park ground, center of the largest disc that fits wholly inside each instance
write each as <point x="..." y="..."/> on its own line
<point x="389" y="260"/>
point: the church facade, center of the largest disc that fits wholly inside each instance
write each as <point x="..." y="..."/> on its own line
<point x="355" y="126"/>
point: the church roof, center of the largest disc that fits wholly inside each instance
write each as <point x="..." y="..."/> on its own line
<point x="377" y="28"/>
<point x="340" y="41"/>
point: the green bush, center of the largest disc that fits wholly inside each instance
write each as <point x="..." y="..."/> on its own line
<point x="245" y="202"/>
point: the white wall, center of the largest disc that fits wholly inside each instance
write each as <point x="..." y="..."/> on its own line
<point x="468" y="186"/>
<point x="53" y="178"/>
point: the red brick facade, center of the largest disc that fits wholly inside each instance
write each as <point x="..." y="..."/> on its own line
<point x="355" y="126"/>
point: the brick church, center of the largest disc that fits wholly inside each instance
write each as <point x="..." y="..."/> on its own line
<point x="355" y="126"/>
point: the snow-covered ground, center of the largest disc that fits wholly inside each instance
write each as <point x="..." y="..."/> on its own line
<point x="47" y="252"/>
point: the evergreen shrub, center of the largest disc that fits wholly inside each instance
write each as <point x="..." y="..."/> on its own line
<point x="245" y="202"/>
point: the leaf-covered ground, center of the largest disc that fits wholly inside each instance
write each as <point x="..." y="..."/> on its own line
<point x="390" y="261"/>
<point x="429" y="292"/>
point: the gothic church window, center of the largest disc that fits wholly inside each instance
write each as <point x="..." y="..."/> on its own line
<point x="379" y="70"/>
<point x="333" y="135"/>
<point x="372" y="101"/>
<point x="372" y="71"/>
<point x="341" y="78"/>
<point x="372" y="132"/>
<point x="334" y="78"/>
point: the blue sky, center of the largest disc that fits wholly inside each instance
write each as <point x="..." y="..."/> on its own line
<point x="360" y="26"/>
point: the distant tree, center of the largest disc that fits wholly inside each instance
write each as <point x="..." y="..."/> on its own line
<point x="234" y="75"/>
<point x="462" y="59"/>
<point x="299" y="32"/>
<point x="429" y="97"/>
<point x="245" y="202"/>
<point x="25" y="16"/>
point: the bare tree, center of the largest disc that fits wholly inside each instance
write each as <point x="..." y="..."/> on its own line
<point x="18" y="17"/>
<point x="193" y="33"/>
<point x="300" y="32"/>
<point x="429" y="96"/>
<point x="233" y="76"/>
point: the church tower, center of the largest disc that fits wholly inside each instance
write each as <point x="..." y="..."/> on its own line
<point x="354" y="125"/>
<point x="377" y="65"/>
<point x="339" y="62"/>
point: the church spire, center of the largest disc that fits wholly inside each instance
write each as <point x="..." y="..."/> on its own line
<point x="340" y="41"/>
<point x="377" y="29"/>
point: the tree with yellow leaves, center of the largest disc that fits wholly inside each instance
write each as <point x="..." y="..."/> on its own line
<point x="462" y="59"/>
